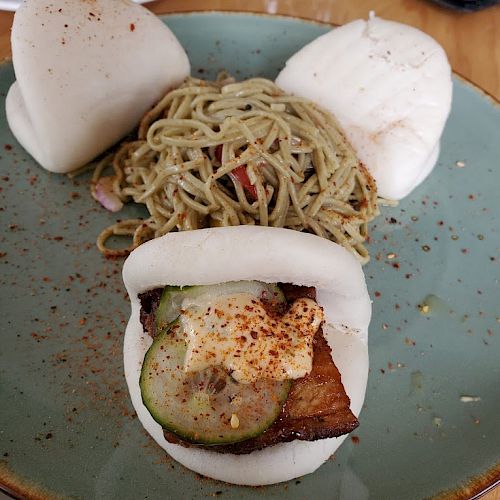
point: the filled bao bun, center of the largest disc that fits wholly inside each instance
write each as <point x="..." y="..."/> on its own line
<point x="217" y="255"/>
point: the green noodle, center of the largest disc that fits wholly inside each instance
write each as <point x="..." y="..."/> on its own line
<point x="224" y="153"/>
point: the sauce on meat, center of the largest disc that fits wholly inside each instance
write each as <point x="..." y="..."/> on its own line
<point x="237" y="332"/>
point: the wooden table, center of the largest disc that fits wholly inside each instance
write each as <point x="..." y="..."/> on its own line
<point x="471" y="40"/>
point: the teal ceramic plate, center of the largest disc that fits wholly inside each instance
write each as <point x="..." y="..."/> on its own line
<point x="430" y="421"/>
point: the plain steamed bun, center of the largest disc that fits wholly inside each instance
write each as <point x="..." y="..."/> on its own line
<point x="217" y="255"/>
<point x="86" y="73"/>
<point x="389" y="85"/>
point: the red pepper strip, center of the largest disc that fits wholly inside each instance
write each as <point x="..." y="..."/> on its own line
<point x="240" y="174"/>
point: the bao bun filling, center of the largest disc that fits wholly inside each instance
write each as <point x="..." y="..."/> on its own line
<point x="255" y="412"/>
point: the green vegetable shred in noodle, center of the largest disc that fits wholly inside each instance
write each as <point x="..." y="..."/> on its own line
<point x="224" y="153"/>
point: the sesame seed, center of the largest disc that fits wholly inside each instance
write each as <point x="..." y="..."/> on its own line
<point x="235" y="421"/>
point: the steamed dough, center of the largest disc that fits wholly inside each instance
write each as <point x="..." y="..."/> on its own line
<point x="389" y="85"/>
<point x="217" y="255"/>
<point x="86" y="74"/>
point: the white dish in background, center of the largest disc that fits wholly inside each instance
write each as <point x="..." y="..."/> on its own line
<point x="12" y="5"/>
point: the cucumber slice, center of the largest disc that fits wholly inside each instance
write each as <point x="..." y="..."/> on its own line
<point x="206" y="407"/>
<point x="173" y="297"/>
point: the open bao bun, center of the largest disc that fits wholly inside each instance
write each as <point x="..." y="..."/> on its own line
<point x="217" y="255"/>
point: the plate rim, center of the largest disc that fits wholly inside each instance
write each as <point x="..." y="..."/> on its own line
<point x="472" y="487"/>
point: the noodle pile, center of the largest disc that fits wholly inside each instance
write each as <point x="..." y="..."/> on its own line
<point x="224" y="153"/>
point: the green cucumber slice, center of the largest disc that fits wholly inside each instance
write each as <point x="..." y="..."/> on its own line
<point x="173" y="297"/>
<point x="207" y="407"/>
